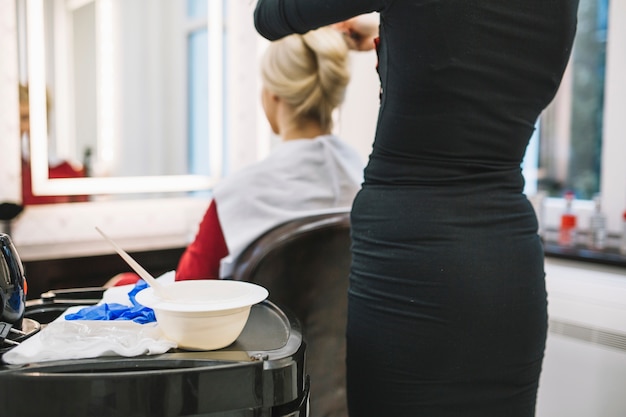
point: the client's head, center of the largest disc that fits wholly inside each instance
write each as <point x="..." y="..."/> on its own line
<point x="304" y="80"/>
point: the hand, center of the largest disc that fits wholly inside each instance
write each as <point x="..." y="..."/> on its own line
<point x="360" y="31"/>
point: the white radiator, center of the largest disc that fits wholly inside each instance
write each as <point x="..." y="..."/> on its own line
<point x="584" y="370"/>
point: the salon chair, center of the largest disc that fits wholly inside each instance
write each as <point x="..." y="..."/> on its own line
<point x="305" y="264"/>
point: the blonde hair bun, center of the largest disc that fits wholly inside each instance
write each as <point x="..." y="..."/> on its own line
<point x="310" y="72"/>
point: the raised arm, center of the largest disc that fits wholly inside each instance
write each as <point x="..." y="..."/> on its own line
<point x="275" y="19"/>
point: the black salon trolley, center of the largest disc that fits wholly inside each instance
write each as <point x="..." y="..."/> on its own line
<point x="261" y="374"/>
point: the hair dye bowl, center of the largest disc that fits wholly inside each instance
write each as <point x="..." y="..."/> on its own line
<point x="203" y="314"/>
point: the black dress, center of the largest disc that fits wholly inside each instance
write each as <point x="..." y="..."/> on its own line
<point x="447" y="301"/>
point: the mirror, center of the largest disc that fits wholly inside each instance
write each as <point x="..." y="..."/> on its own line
<point x="123" y="86"/>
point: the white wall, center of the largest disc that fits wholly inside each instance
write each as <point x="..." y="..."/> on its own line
<point x="359" y="113"/>
<point x="614" y="134"/>
<point x="9" y="115"/>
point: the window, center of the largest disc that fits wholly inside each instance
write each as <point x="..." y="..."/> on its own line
<point x="571" y="128"/>
<point x="205" y="92"/>
<point x="581" y="143"/>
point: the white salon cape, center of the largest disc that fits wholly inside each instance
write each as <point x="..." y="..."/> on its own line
<point x="299" y="178"/>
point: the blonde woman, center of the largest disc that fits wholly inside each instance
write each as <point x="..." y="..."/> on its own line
<point x="311" y="171"/>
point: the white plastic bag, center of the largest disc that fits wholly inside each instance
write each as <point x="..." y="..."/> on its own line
<point x="81" y="339"/>
<point x="61" y="340"/>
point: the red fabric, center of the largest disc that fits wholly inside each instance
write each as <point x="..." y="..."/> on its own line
<point x="201" y="259"/>
<point x="63" y="170"/>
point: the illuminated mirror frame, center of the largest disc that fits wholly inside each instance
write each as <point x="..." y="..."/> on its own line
<point x="42" y="185"/>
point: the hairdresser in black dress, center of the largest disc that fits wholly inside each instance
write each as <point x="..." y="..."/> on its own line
<point x="447" y="301"/>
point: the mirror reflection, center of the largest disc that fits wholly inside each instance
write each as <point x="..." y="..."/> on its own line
<point x="121" y="88"/>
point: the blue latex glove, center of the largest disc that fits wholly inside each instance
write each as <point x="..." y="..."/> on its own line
<point x="114" y="311"/>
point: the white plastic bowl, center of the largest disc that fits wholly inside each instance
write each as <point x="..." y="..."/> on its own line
<point x="203" y="314"/>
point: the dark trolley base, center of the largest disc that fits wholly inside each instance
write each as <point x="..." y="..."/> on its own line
<point x="261" y="374"/>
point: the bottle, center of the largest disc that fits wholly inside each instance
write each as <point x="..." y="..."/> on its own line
<point x="597" y="226"/>
<point x="622" y="246"/>
<point x="567" y="231"/>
